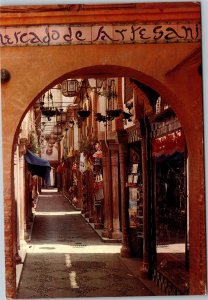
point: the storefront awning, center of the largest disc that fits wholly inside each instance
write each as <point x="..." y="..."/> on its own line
<point x="38" y="166"/>
<point x="168" y="144"/>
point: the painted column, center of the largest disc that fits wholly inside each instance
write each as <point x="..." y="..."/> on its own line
<point x="116" y="234"/>
<point x="123" y="155"/>
<point x="108" y="225"/>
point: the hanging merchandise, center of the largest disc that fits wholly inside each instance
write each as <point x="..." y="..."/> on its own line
<point x="88" y="164"/>
<point x="98" y="150"/>
<point x="61" y="168"/>
<point x="97" y="186"/>
<point x="70" y="153"/>
<point x="99" y="178"/>
<point x="99" y="196"/>
<point x="133" y="217"/>
<point x="98" y="155"/>
<point x="97" y="161"/>
<point x="74" y="179"/>
<point x="74" y="166"/>
<point x="81" y="163"/>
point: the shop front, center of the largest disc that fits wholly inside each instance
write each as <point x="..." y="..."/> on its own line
<point x="169" y="156"/>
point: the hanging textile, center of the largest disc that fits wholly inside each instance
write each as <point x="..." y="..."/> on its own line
<point x="38" y="166"/>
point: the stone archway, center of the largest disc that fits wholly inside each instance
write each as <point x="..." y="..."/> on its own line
<point x="25" y="84"/>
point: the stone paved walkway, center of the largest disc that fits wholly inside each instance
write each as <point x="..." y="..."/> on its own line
<point x="66" y="258"/>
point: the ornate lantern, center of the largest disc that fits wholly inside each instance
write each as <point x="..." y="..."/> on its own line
<point x="57" y="129"/>
<point x="61" y="118"/>
<point x="70" y="87"/>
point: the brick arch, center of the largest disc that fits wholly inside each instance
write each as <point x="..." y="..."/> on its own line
<point x="109" y="71"/>
<point x="167" y="89"/>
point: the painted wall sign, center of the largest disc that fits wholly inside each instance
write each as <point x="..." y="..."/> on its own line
<point x="160" y="129"/>
<point x="49" y="35"/>
<point x="135" y="135"/>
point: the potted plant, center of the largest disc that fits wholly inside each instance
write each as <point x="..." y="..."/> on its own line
<point x="114" y="113"/>
<point x="100" y="117"/>
<point x="84" y="113"/>
<point x="127" y="116"/>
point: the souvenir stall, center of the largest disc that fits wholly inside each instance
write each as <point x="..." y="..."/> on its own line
<point x="98" y="193"/>
<point x="170" y="190"/>
<point x="86" y="169"/>
<point x="91" y="187"/>
<point x="72" y="179"/>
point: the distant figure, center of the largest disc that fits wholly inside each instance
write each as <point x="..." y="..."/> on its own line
<point x="60" y="171"/>
<point x="33" y="190"/>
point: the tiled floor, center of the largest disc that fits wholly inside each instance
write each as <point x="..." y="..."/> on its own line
<point x="66" y="258"/>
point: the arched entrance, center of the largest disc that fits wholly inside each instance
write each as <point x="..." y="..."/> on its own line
<point x="166" y="68"/>
<point x="141" y="95"/>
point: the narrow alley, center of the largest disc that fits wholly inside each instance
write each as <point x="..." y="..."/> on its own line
<point x="66" y="258"/>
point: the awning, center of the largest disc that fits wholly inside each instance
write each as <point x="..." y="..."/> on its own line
<point x="168" y="144"/>
<point x="38" y="166"/>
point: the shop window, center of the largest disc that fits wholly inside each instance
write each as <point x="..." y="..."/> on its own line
<point x="171" y="219"/>
<point x="171" y="200"/>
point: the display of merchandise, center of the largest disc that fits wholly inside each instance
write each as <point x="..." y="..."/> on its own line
<point x="135" y="193"/>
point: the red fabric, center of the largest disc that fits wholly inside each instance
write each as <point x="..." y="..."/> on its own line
<point x="61" y="169"/>
<point x="98" y="154"/>
<point x="168" y="144"/>
<point x="97" y="186"/>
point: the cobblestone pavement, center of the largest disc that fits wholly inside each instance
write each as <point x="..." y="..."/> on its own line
<point x="66" y="258"/>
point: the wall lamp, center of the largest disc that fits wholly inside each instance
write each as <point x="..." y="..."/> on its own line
<point x="5" y="75"/>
